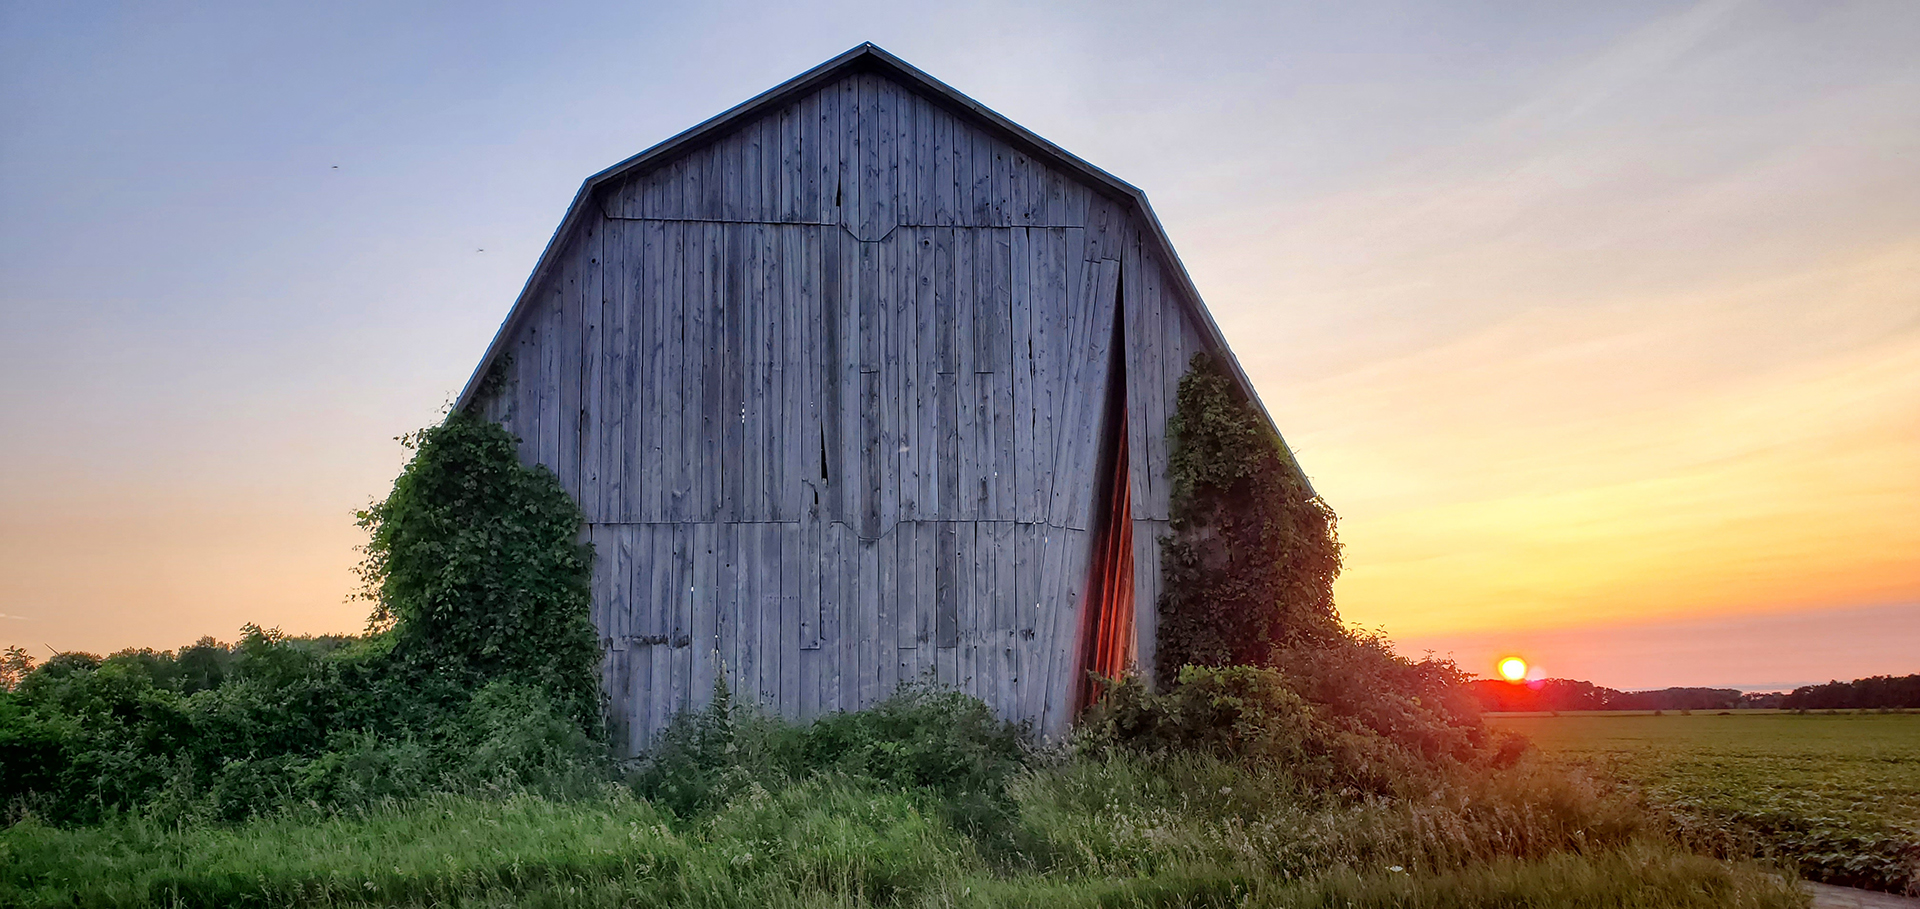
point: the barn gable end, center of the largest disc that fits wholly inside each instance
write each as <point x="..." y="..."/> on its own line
<point x="830" y="376"/>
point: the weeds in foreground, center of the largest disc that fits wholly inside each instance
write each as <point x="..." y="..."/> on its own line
<point x="924" y="800"/>
<point x="1201" y="833"/>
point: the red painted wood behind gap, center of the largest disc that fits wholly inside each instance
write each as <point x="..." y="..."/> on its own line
<point x="1107" y="634"/>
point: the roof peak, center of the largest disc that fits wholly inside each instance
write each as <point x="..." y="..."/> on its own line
<point x="863" y="55"/>
<point x="868" y="55"/>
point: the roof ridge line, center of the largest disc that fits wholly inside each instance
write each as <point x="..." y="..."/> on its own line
<point x="866" y="54"/>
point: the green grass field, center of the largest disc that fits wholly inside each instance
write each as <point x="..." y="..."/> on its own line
<point x="1837" y="794"/>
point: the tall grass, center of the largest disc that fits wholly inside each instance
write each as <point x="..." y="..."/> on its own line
<point x="924" y="800"/>
<point x="821" y="843"/>
<point x="1131" y="816"/>
<point x="1115" y="830"/>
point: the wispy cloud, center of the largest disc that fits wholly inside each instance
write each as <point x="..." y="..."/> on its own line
<point x="1629" y="64"/>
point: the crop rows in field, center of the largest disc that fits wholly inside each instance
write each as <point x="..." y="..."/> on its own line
<point x="1838" y="795"/>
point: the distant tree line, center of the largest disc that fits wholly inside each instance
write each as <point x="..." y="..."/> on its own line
<point x="1570" y="694"/>
<point x="1869" y="693"/>
<point x="1878" y="692"/>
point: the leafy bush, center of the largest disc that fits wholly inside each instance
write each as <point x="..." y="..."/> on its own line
<point x="15" y="663"/>
<point x="475" y="562"/>
<point x="923" y="737"/>
<point x="33" y="756"/>
<point x="481" y="674"/>
<point x="1342" y="714"/>
<point x="1253" y="554"/>
<point x="1241" y="712"/>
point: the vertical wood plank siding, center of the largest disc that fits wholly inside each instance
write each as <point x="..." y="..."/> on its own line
<point x="830" y="390"/>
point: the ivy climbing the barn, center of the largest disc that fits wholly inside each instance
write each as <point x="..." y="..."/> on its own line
<point x="1254" y="551"/>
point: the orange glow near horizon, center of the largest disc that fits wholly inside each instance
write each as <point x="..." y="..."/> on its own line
<point x="1566" y="470"/>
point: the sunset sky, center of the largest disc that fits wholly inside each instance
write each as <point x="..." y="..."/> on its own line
<point x="1598" y="324"/>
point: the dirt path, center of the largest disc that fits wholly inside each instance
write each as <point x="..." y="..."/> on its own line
<point x="1827" y="896"/>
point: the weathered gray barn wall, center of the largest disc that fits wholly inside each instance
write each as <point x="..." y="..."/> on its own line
<point x="829" y="391"/>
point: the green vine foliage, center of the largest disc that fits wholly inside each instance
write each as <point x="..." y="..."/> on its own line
<point x="1253" y="554"/>
<point x="478" y="574"/>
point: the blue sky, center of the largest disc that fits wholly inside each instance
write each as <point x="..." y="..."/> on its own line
<point x="1583" y="316"/>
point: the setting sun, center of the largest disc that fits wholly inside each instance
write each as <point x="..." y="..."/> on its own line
<point x="1513" y="669"/>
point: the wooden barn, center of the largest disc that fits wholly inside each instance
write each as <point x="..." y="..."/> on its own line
<point x="858" y="382"/>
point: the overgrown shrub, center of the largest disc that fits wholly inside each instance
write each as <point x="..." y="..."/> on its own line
<point x="475" y="563"/>
<point x="479" y="673"/>
<point x="1240" y="712"/>
<point x="1253" y="553"/>
<point x="1253" y="662"/>
<point x="1345" y="714"/>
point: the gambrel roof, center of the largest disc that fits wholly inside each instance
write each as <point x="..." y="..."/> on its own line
<point x="869" y="58"/>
